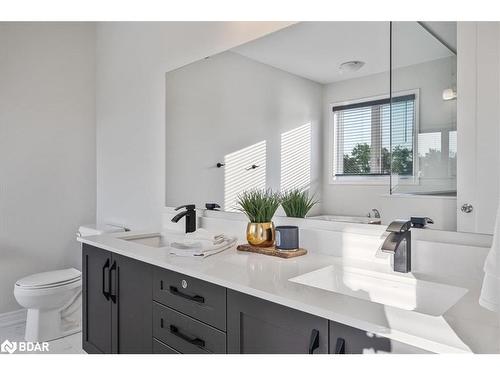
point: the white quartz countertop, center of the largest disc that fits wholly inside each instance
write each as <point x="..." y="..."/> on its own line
<point x="268" y="277"/>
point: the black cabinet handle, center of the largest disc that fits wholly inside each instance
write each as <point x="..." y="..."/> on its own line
<point x="314" y="342"/>
<point x="340" y="346"/>
<point x="112" y="282"/>
<point x="176" y="292"/>
<point x="105" y="285"/>
<point x="193" y="341"/>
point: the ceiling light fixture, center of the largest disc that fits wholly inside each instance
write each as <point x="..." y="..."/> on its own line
<point x="351" y="66"/>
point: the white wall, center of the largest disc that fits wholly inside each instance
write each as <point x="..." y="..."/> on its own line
<point x="350" y="199"/>
<point x="132" y="59"/>
<point x="220" y="105"/>
<point x="47" y="147"/>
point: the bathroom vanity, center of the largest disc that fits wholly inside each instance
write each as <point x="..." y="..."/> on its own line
<point x="134" y="307"/>
<point x="339" y="298"/>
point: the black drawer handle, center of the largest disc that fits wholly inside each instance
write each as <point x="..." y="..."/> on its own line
<point x="193" y="341"/>
<point x="340" y="346"/>
<point x="113" y="282"/>
<point x="196" y="298"/>
<point x="314" y="343"/>
<point x="105" y="284"/>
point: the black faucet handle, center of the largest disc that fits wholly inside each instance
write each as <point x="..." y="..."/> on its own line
<point x="188" y="207"/>
<point x="212" y="206"/>
<point x="399" y="226"/>
<point x="421" y="221"/>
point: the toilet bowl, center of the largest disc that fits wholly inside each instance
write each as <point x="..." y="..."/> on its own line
<point x="53" y="301"/>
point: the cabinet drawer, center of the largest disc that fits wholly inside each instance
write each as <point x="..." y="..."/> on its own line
<point x="350" y="340"/>
<point x="196" y="298"/>
<point x="161" y="348"/>
<point x="186" y="334"/>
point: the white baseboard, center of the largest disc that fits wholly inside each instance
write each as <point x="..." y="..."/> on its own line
<point x="12" y="318"/>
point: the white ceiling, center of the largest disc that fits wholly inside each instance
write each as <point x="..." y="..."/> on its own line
<point x="315" y="50"/>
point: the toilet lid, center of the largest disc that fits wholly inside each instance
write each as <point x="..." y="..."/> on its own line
<point x="50" y="279"/>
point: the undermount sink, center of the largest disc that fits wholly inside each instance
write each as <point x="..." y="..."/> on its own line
<point x="152" y="239"/>
<point x="348" y="219"/>
<point x="404" y="292"/>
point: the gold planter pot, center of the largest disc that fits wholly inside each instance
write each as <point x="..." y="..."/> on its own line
<point x="260" y="234"/>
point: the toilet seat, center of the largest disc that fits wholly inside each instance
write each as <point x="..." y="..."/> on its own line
<point x="40" y="292"/>
<point x="49" y="280"/>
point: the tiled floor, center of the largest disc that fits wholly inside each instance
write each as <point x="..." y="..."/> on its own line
<point x="67" y="345"/>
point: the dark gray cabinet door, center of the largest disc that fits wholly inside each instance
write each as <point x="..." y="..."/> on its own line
<point x="96" y="306"/>
<point x="349" y="340"/>
<point x="256" y="326"/>
<point x="117" y="303"/>
<point x="131" y="295"/>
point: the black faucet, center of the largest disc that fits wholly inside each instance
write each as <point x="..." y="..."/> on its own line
<point x="421" y="221"/>
<point x="190" y="214"/>
<point x="212" y="206"/>
<point x="375" y="212"/>
<point x="398" y="242"/>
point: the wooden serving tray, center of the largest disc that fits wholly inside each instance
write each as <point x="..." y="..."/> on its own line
<point x="272" y="251"/>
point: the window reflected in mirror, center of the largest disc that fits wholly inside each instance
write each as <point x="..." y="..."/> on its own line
<point x="362" y="133"/>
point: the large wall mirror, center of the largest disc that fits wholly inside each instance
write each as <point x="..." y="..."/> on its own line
<point x="343" y="110"/>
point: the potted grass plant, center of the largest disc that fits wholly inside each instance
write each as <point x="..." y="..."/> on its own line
<point x="259" y="206"/>
<point x="297" y="203"/>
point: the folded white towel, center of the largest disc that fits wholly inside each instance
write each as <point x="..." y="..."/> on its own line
<point x="204" y="235"/>
<point x="490" y="292"/>
<point x="195" y="244"/>
<point x="201" y="244"/>
<point x="205" y="254"/>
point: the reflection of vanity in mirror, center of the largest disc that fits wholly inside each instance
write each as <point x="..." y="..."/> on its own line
<point x="322" y="107"/>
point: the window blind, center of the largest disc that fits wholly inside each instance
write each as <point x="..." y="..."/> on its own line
<point x="363" y="137"/>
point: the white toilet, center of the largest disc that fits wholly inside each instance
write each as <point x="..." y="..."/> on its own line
<point x="53" y="300"/>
